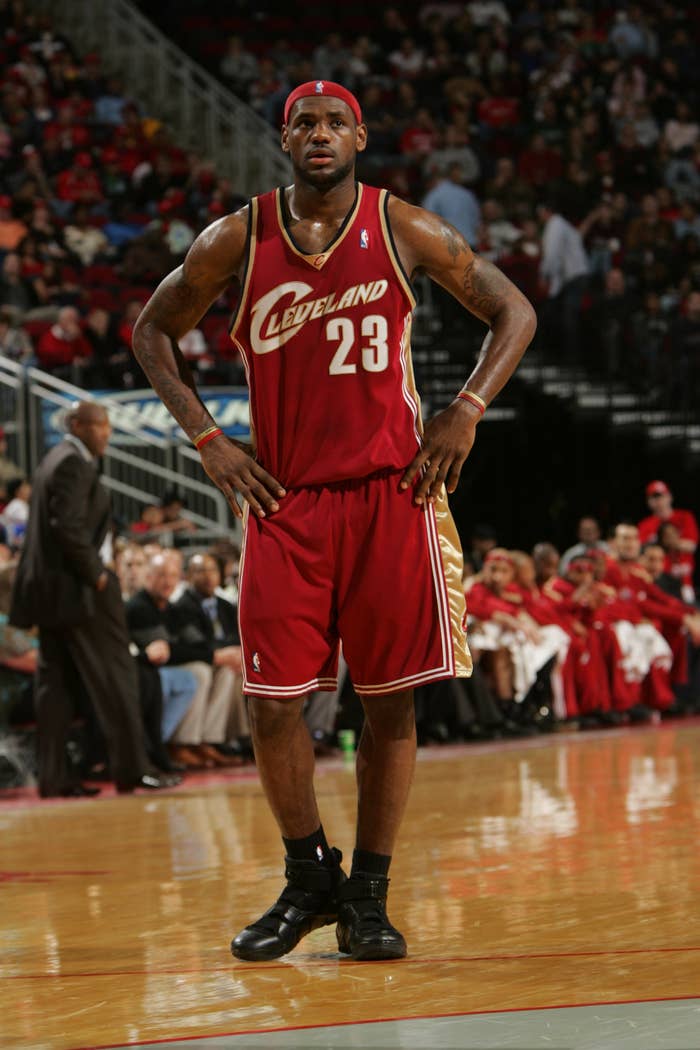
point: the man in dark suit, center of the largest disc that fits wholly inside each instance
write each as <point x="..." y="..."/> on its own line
<point x="63" y="587"/>
<point x="208" y="618"/>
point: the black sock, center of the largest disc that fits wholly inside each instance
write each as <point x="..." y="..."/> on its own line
<point x="366" y="863"/>
<point x="313" y="847"/>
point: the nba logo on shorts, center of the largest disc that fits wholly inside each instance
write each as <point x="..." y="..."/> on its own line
<point x="364" y="238"/>
<point x="319" y="87"/>
<point x="256" y="662"/>
<point x="319" y="854"/>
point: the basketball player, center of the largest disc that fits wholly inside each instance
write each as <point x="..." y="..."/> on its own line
<point x="347" y="531"/>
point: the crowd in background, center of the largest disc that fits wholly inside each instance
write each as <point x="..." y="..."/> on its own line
<point x="561" y="139"/>
<point x="606" y="633"/>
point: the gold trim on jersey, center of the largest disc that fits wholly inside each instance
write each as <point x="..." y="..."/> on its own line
<point x="252" y="245"/>
<point x="449" y="543"/>
<point x="452" y="567"/>
<point x="389" y="243"/>
<point x="317" y="260"/>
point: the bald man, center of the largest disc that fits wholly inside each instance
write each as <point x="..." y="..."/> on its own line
<point x="63" y="587"/>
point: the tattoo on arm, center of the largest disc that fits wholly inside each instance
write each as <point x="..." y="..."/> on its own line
<point x="454" y="243"/>
<point x="485" y="288"/>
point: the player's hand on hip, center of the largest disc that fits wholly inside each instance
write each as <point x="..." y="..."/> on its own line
<point x="447" y="442"/>
<point x="233" y="470"/>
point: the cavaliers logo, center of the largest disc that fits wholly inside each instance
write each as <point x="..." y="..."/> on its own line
<point x="271" y="325"/>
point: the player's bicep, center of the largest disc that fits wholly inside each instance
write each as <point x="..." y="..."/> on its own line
<point x="438" y="249"/>
<point x="475" y="282"/>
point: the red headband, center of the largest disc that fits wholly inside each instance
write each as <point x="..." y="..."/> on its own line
<point x="496" y="555"/>
<point x="314" y="88"/>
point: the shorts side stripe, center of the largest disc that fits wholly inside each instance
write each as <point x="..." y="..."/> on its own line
<point x="451" y="567"/>
<point x="404" y="683"/>
<point x="439" y="584"/>
<point x="289" y="692"/>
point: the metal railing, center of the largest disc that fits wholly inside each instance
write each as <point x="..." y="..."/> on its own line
<point x="139" y="465"/>
<point x="207" y="117"/>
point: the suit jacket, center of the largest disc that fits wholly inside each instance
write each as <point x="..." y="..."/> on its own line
<point x="69" y="516"/>
<point x="147" y="623"/>
<point x="196" y="623"/>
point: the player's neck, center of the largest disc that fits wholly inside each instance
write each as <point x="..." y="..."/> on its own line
<point x="305" y="201"/>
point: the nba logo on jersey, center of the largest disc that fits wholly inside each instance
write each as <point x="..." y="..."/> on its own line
<point x="256" y="662"/>
<point x="319" y="87"/>
<point x="364" y="238"/>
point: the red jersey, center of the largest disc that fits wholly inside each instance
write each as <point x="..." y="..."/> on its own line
<point x="684" y="520"/>
<point x="325" y="339"/>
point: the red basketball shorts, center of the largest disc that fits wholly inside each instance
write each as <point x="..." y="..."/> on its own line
<point x="359" y="563"/>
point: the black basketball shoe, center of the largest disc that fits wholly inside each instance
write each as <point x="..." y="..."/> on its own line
<point x="363" y="930"/>
<point x="308" y="901"/>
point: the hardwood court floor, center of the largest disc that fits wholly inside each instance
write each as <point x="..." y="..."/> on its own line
<point x="561" y="871"/>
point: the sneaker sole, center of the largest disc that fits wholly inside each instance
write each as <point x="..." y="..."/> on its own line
<point x="373" y="950"/>
<point x="376" y="952"/>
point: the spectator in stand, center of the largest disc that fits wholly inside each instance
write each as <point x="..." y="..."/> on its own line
<point x="608" y="328"/>
<point x="64" y="350"/>
<point x="31" y="179"/>
<point x="267" y="89"/>
<point x="681" y="132"/>
<point x="483" y="540"/>
<point x="85" y="240"/>
<point x="156" y="627"/>
<point x="238" y="67"/>
<point x="679" y="563"/>
<point x="452" y="201"/>
<point x="688" y="221"/>
<point x="14" y="341"/>
<point x="510" y="190"/>
<point x="497" y="234"/>
<point x="603" y="233"/>
<point x="407" y="62"/>
<point x="207" y="616"/>
<point x="9" y="471"/>
<point x="564" y="269"/>
<point x="12" y="230"/>
<point x="539" y="165"/>
<point x="660" y="502"/>
<point x="650" y="328"/>
<point x="589" y="536"/>
<point x="674" y="619"/>
<point x="649" y="232"/>
<point x="15" y="515"/>
<point x="546" y="558"/>
<point x="507" y="640"/>
<point x="16" y="292"/>
<point x="653" y="561"/>
<point x="79" y="184"/>
<point x="330" y="59"/>
<point x="455" y="150"/>
<point x="173" y="505"/>
<point x="110" y="102"/>
<point x="130" y="565"/>
<point x="499" y="112"/>
<point x="420" y="137"/>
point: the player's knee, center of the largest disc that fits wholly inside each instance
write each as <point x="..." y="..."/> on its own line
<point x="269" y="718"/>
<point x="391" y="717"/>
